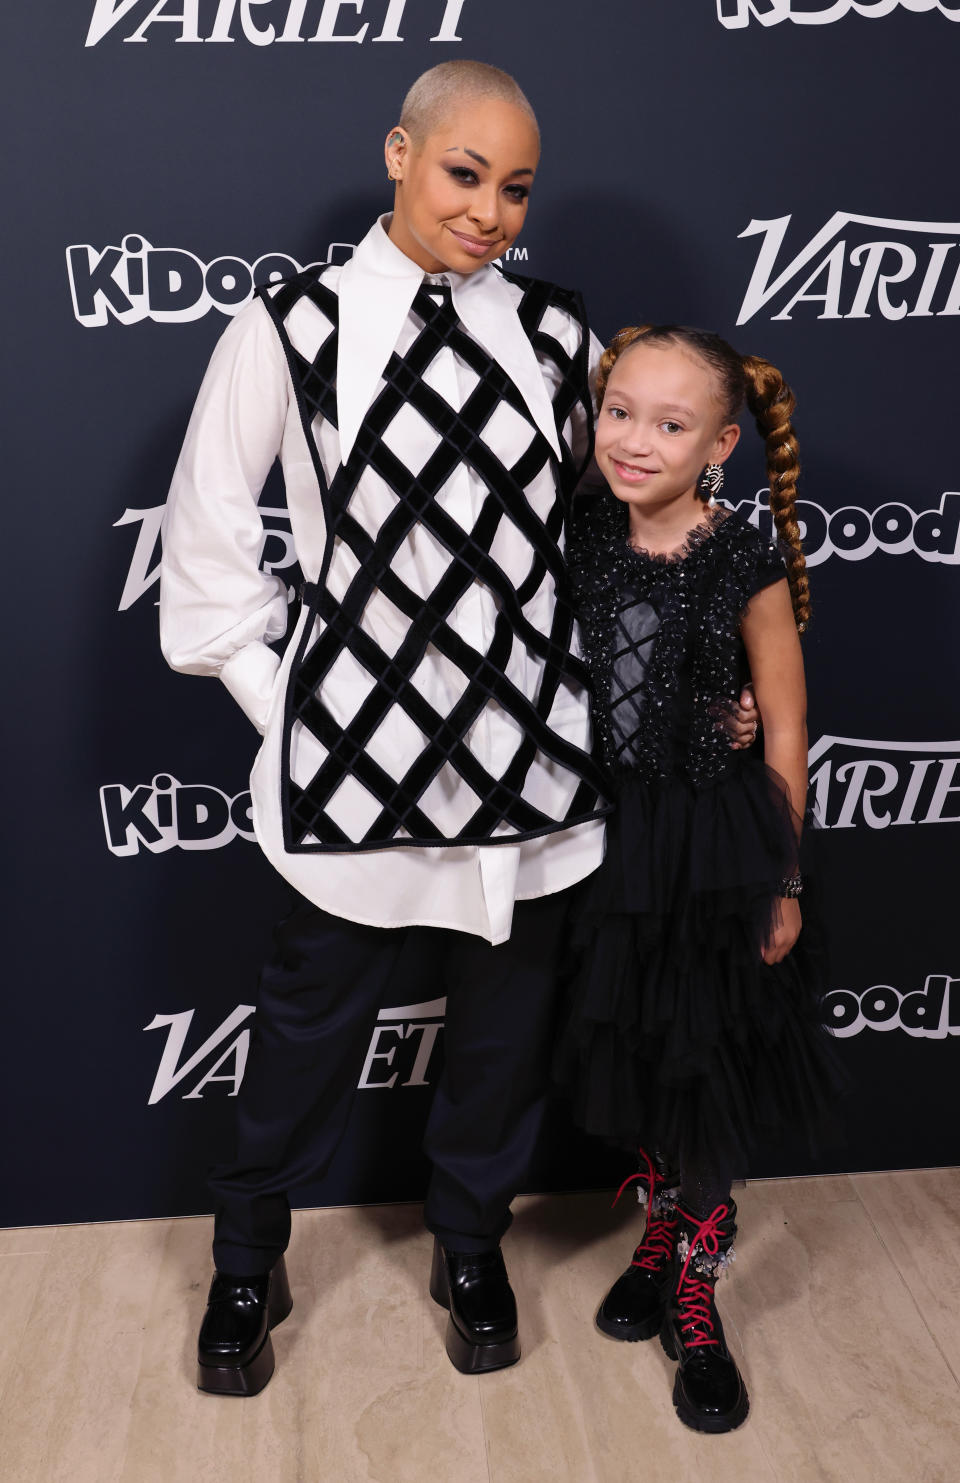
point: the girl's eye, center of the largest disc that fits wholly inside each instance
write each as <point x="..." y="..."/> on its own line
<point x="672" y="427"/>
<point x="617" y="412"/>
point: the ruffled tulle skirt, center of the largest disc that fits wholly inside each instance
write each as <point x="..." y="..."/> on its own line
<point x="677" y="1034"/>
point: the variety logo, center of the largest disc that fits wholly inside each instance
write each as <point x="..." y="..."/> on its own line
<point x="277" y="552"/>
<point x="228" y="1043"/>
<point x="883" y="783"/>
<point x="404" y="1038"/>
<point x="902" y="274"/>
<point x="735" y="14"/>
<point x="930" y="1013"/>
<point x="854" y="533"/>
<point x="402" y="1047"/>
<point x="169" y="285"/>
<point x="164" y="815"/>
<point x="263" y="22"/>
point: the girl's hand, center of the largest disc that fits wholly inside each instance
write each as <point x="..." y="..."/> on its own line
<point x="783" y="937"/>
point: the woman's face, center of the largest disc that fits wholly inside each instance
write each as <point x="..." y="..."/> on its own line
<point x="660" y="424"/>
<point x="461" y="198"/>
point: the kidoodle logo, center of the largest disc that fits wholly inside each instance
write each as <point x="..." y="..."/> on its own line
<point x="853" y="533"/>
<point x="169" y="285"/>
<point x="900" y="274"/>
<point x="165" y="815"/>
<point x="882" y="784"/>
<point x="735" y="14"/>
<point x="930" y="1013"/>
<point x="401" y="1052"/>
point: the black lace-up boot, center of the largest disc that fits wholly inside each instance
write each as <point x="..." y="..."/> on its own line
<point x="709" y="1393"/>
<point x="635" y="1305"/>
<point x="474" y="1286"/>
<point x="235" y="1351"/>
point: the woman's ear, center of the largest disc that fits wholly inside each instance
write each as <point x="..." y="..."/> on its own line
<point x="394" y="151"/>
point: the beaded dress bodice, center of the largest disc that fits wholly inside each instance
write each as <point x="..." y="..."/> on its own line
<point x="662" y="637"/>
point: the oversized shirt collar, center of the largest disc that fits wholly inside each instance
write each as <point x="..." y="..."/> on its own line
<point x="376" y="290"/>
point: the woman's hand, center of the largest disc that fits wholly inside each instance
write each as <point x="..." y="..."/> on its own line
<point x="740" y="721"/>
<point x="785" y="934"/>
<point x="743" y="721"/>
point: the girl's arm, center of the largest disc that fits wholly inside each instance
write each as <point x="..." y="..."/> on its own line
<point x="776" y="664"/>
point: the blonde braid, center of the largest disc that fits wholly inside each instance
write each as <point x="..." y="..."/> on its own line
<point x="771" y="402"/>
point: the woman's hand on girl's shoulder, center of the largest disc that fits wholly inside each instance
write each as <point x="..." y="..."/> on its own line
<point x="786" y="932"/>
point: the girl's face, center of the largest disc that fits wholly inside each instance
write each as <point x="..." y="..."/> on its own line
<point x="660" y="424"/>
<point x="462" y="196"/>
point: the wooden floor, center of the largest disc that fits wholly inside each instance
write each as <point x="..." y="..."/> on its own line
<point x="843" y="1307"/>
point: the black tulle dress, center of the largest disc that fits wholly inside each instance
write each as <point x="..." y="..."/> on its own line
<point x="677" y="1034"/>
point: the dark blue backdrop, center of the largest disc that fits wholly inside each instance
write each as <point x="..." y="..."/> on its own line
<point x="785" y="165"/>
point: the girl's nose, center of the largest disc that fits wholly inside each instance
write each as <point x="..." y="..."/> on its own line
<point x="636" y="439"/>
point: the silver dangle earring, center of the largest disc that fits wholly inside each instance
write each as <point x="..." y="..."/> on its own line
<point x="711" y="480"/>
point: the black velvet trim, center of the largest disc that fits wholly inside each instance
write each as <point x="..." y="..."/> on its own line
<point x="305" y="809"/>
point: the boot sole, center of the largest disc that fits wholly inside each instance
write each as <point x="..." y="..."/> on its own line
<point x="695" y="1420"/>
<point x="250" y="1378"/>
<point x="646" y="1328"/>
<point x="469" y="1359"/>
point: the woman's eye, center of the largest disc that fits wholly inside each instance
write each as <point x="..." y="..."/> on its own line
<point x="464" y="174"/>
<point x="517" y="192"/>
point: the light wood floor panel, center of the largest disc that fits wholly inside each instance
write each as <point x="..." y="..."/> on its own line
<point x="917" y="1216"/>
<point x="67" y="1404"/>
<point x="845" y="1377"/>
<point x="846" y="1295"/>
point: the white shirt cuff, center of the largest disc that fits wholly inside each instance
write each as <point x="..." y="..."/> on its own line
<point x="250" y="676"/>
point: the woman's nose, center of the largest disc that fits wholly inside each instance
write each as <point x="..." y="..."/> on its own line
<point x="484" y="208"/>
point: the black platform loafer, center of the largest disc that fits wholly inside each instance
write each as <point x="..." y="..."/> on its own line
<point x="474" y="1286"/>
<point x="234" y="1351"/>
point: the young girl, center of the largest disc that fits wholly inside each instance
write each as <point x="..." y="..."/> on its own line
<point x="694" y="1016"/>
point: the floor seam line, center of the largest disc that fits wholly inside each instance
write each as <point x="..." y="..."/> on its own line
<point x="29" y="1317"/>
<point x="483" y="1429"/>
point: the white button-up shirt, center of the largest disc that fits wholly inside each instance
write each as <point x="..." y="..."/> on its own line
<point x="219" y="612"/>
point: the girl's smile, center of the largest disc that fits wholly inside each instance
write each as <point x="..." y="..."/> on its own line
<point x="631" y="473"/>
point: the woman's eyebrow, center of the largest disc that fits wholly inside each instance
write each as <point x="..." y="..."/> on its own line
<point x="480" y="159"/>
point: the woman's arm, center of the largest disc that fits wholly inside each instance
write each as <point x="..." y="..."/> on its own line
<point x="218" y="610"/>
<point x="776" y="664"/>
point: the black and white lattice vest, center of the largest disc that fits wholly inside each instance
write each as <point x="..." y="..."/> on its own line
<point x="429" y="752"/>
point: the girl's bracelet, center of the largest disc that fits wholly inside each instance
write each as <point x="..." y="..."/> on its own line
<point x="791" y="887"/>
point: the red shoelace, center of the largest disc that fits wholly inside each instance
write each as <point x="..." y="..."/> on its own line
<point x="694" y="1297"/>
<point x="656" y="1248"/>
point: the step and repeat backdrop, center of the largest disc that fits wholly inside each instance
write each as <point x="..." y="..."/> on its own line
<point x="779" y="170"/>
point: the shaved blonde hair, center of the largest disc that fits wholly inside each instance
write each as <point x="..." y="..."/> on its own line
<point x="437" y="92"/>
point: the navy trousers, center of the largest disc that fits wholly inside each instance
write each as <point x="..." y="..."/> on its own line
<point x="318" y="1001"/>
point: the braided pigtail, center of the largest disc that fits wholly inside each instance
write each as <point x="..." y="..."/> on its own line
<point x="621" y="341"/>
<point x="772" y="402"/>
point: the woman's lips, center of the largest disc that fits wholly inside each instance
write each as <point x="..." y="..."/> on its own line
<point x="476" y="246"/>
